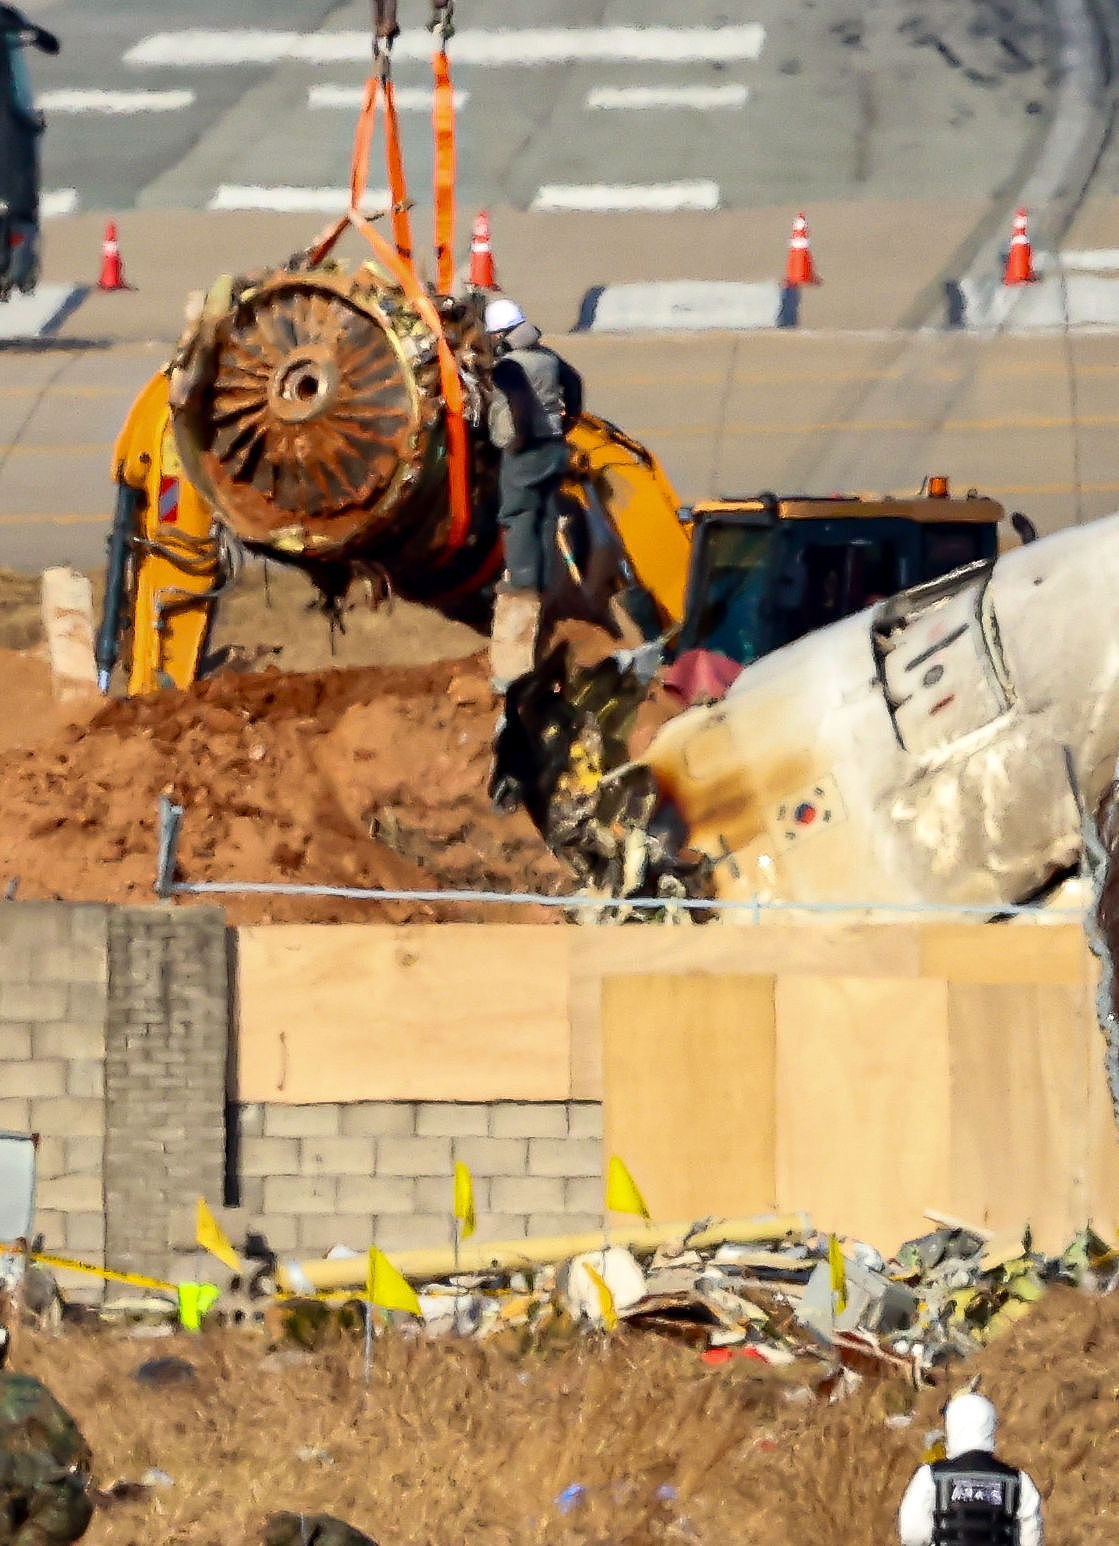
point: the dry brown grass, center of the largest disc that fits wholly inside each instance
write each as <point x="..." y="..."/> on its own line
<point x="454" y="1442"/>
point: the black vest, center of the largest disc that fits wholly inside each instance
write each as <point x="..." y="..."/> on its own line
<point x="976" y="1501"/>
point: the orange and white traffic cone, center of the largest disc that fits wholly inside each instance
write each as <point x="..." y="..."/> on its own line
<point x="800" y="270"/>
<point x="1019" y="260"/>
<point x="483" y="274"/>
<point x="112" y="269"/>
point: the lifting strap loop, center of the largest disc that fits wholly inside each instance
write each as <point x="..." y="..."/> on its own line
<point x="394" y="162"/>
<point x="443" y="124"/>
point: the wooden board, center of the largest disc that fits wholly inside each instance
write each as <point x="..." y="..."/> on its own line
<point x="350" y="1012"/>
<point x="862" y="1102"/>
<point x="1020" y="1104"/>
<point x="1014" y="952"/>
<point x="768" y="949"/>
<point x="689" y="1081"/>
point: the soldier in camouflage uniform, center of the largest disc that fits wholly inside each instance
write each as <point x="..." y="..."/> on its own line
<point x="44" y="1464"/>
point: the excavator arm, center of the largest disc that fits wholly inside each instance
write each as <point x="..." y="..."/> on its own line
<point x="167" y="557"/>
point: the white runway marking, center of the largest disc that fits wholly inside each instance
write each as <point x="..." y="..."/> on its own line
<point x="409" y="99"/>
<point x="60" y="201"/>
<point x="74" y="101"/>
<point x="1099" y="260"/>
<point x="29" y="316"/>
<point x="691" y="305"/>
<point x="196" y="47"/>
<point x="702" y="98"/>
<point x="1079" y="301"/>
<point x="610" y="198"/>
<point x="325" y="201"/>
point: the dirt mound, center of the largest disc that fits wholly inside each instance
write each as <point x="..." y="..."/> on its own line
<point x="453" y="1441"/>
<point x="363" y="777"/>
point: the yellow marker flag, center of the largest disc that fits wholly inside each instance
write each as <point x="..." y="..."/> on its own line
<point x="605" y="1297"/>
<point x="211" y="1237"/>
<point x="838" y="1274"/>
<point x="194" y="1300"/>
<point x="388" y="1287"/>
<point x="622" y="1194"/>
<point x="464" y="1199"/>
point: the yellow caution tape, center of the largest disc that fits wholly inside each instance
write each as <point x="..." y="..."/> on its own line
<point x="134" y="1279"/>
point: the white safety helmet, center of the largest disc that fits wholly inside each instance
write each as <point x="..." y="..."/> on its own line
<point x="502" y="314"/>
<point x="970" y="1422"/>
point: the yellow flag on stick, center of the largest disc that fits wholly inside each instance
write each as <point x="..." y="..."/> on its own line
<point x="838" y="1274"/>
<point x="605" y="1297"/>
<point x="211" y="1237"/>
<point x="464" y="1199"/>
<point x="388" y="1287"/>
<point x="622" y="1194"/>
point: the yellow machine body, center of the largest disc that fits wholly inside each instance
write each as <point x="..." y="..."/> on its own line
<point x="174" y="568"/>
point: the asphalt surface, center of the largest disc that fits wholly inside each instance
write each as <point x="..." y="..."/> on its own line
<point x="943" y="98"/>
<point x="903" y="128"/>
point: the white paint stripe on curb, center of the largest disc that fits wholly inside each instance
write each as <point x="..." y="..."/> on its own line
<point x="75" y="101"/>
<point x="1098" y="260"/>
<point x="197" y="47"/>
<point x="409" y="99"/>
<point x="286" y="200"/>
<point x="701" y="98"/>
<point x="686" y="305"/>
<point x="610" y="198"/>
<point x="1082" y="300"/>
<point x="60" y="201"/>
<point x="29" y="316"/>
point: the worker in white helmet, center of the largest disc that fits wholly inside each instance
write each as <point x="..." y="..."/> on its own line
<point x="537" y="396"/>
<point x="970" y="1498"/>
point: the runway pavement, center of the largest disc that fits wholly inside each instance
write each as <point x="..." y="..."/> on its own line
<point x="903" y="133"/>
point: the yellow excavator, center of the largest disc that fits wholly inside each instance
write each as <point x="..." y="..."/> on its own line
<point x="740" y="576"/>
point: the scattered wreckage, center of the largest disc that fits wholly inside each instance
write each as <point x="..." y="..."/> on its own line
<point x="817" y="1314"/>
<point x="938" y="747"/>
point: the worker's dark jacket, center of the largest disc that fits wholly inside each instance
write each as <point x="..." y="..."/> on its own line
<point x="976" y="1501"/>
<point x="536" y="395"/>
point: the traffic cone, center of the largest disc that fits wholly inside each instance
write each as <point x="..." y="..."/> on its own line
<point x="112" y="269"/>
<point x="483" y="274"/>
<point x="1019" y="260"/>
<point x="800" y="270"/>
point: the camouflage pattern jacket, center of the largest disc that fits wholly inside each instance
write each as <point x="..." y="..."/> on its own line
<point x="36" y="1428"/>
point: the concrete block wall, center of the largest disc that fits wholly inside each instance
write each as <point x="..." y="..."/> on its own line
<point x="166" y="1038"/>
<point x="54" y="974"/>
<point x="333" y="1174"/>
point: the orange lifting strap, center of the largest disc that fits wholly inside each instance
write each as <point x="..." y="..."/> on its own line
<point x="398" y="258"/>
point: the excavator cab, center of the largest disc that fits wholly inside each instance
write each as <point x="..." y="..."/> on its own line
<point x="765" y="571"/>
<point x="21" y="124"/>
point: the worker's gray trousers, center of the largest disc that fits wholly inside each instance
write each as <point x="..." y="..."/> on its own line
<point x="530" y="480"/>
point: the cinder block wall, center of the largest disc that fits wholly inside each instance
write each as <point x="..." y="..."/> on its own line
<point x="54" y="973"/>
<point x="333" y="1174"/>
<point x="114" y="1044"/>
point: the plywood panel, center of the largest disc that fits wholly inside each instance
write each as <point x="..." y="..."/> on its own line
<point x="1020" y="1103"/>
<point x="357" y="1012"/>
<point x="1103" y="1155"/>
<point x="1032" y="952"/>
<point x="689" y="1064"/>
<point x="862" y="1102"/>
<point x="811" y="945"/>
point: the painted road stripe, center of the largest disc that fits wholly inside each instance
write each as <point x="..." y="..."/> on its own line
<point x="692" y="305"/>
<point x="1101" y="260"/>
<point x="30" y="316"/>
<point x="409" y="99"/>
<point x="196" y="47"/>
<point x="323" y="201"/>
<point x="127" y="102"/>
<point x="61" y="201"/>
<point x="606" y="197"/>
<point x="1078" y="300"/>
<point x="635" y="98"/>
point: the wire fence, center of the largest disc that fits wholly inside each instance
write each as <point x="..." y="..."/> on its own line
<point x="166" y="886"/>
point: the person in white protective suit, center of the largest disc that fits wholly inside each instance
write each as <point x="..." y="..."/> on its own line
<point x="970" y="1498"/>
